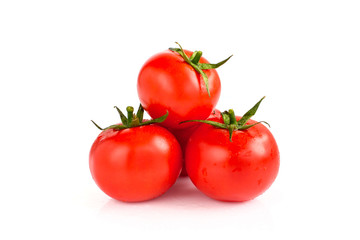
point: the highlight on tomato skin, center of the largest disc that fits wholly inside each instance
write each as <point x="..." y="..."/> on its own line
<point x="136" y="160"/>
<point x="175" y="80"/>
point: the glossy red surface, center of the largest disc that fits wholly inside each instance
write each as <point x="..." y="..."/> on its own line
<point x="183" y="135"/>
<point x="232" y="171"/>
<point x="135" y="164"/>
<point x="167" y="83"/>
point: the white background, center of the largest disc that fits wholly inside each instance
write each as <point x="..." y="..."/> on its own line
<point x="63" y="63"/>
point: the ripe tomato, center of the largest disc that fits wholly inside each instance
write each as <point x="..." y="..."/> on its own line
<point x="167" y="82"/>
<point x="137" y="163"/>
<point x="236" y="170"/>
<point x="183" y="135"/>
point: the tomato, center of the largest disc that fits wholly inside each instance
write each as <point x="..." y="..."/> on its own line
<point x="136" y="163"/>
<point x="183" y="135"/>
<point x="215" y="114"/>
<point x="167" y="82"/>
<point x="236" y="170"/>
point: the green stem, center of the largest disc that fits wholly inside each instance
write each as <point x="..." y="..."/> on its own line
<point x="232" y="117"/>
<point x="130" y="113"/>
<point x="122" y="116"/>
<point x="97" y="125"/>
<point x="230" y="122"/>
<point x="225" y="117"/>
<point x="231" y="129"/>
<point x="250" y="113"/>
<point x="132" y="120"/>
<point x="193" y="61"/>
<point x="195" y="58"/>
<point x="140" y="113"/>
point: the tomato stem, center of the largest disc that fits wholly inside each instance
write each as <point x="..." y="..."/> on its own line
<point x="130" y="114"/>
<point x="226" y="118"/>
<point x="122" y="116"/>
<point x="195" y="57"/>
<point x="250" y="113"/>
<point x="232" y="117"/>
<point x="140" y="113"/>
<point x="193" y="61"/>
<point x="230" y="122"/>
<point x="132" y="120"/>
<point x="231" y="129"/>
<point x="97" y="125"/>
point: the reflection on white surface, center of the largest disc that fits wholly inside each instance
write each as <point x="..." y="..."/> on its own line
<point x="183" y="205"/>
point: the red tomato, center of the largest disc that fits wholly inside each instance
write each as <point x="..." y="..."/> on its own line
<point x="135" y="164"/>
<point x="232" y="171"/>
<point x="167" y="83"/>
<point x="216" y="113"/>
<point x="183" y="135"/>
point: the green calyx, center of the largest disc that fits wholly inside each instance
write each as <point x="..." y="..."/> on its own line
<point x="199" y="67"/>
<point x="230" y="121"/>
<point x="132" y="120"/>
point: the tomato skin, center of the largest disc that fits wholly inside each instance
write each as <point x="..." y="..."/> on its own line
<point x="183" y="135"/>
<point x="167" y="83"/>
<point x="135" y="164"/>
<point x="232" y="171"/>
<point x="216" y="113"/>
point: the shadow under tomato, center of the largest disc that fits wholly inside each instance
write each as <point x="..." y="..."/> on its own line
<point x="182" y="195"/>
<point x="183" y="201"/>
<point x="182" y="190"/>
